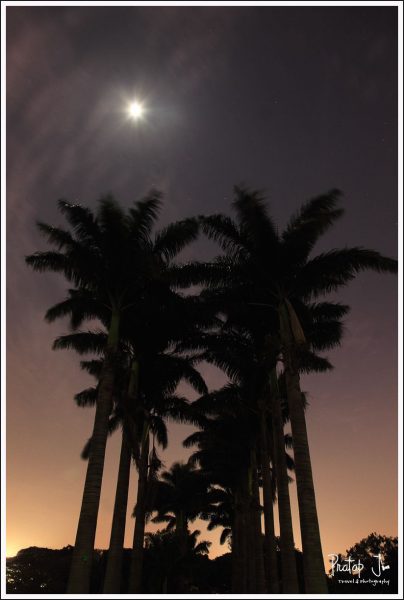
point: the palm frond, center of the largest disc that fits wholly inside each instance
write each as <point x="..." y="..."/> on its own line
<point x="324" y="311"/>
<point x="82" y="342"/>
<point x="225" y="535"/>
<point x="325" y="335"/>
<point x="180" y="410"/>
<point x="256" y="226"/>
<point x="81" y="219"/>
<point x="111" y="216"/>
<point x="49" y="261"/>
<point x="224" y="231"/>
<point x="56" y="236"/>
<point x="144" y="215"/>
<point x="310" y="362"/>
<point x="173" y="238"/>
<point x="328" y="271"/>
<point x="79" y="306"/>
<point x="93" y="367"/>
<point x="85" y="453"/>
<point x="87" y="397"/>
<point x="308" y="224"/>
<point x="159" y="429"/>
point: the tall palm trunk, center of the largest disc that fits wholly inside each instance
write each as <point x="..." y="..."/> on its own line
<point x="237" y="557"/>
<point x="135" y="576"/>
<point x="255" y="559"/>
<point x="181" y="531"/>
<point x="314" y="573"/>
<point x="112" y="580"/>
<point x="244" y="547"/>
<point x="251" y="551"/>
<point x="240" y="545"/>
<point x="248" y="527"/>
<point x="260" y="583"/>
<point x="80" y="570"/>
<point x="271" y="559"/>
<point x="290" y="583"/>
<point x="241" y="578"/>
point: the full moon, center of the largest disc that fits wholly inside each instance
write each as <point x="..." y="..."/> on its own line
<point x="135" y="110"/>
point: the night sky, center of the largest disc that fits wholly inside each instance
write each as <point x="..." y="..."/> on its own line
<point x="294" y="101"/>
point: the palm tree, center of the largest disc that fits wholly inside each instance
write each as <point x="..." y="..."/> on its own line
<point x="220" y="512"/>
<point x="269" y="492"/>
<point x="123" y="398"/>
<point x="181" y="496"/>
<point x="142" y="409"/>
<point x="162" y="367"/>
<point x="224" y="455"/>
<point x="243" y="351"/>
<point x="235" y="353"/>
<point x="88" y="397"/>
<point x="238" y="354"/>
<point x="112" y="261"/>
<point x="322" y="323"/>
<point x="265" y="269"/>
<point x="287" y="546"/>
<point x="115" y="550"/>
<point x="160" y="377"/>
<point x="166" y="562"/>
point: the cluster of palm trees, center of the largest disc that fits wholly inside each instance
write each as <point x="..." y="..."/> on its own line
<point x="259" y="314"/>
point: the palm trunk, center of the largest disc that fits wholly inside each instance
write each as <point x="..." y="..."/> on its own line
<point x="271" y="559"/>
<point x="254" y="548"/>
<point x="241" y="579"/>
<point x="135" y="577"/>
<point x="181" y="531"/>
<point x="249" y="532"/>
<point x="290" y="583"/>
<point x="251" y="553"/>
<point x="112" y="580"/>
<point x="260" y="584"/>
<point x="80" y="570"/>
<point x="244" y="546"/>
<point x="237" y="558"/>
<point x="314" y="572"/>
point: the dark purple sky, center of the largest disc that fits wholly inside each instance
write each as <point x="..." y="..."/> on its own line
<point x="291" y="100"/>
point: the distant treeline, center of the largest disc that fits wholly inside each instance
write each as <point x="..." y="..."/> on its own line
<point x="41" y="570"/>
<point x="45" y="571"/>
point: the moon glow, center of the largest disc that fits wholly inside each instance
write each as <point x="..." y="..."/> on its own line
<point x="135" y="110"/>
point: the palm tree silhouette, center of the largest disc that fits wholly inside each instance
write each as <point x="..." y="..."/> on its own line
<point x="147" y="376"/>
<point x="275" y="272"/>
<point x="224" y="454"/>
<point x="180" y="497"/>
<point x="167" y="563"/>
<point x="160" y="377"/>
<point x="114" y="264"/>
